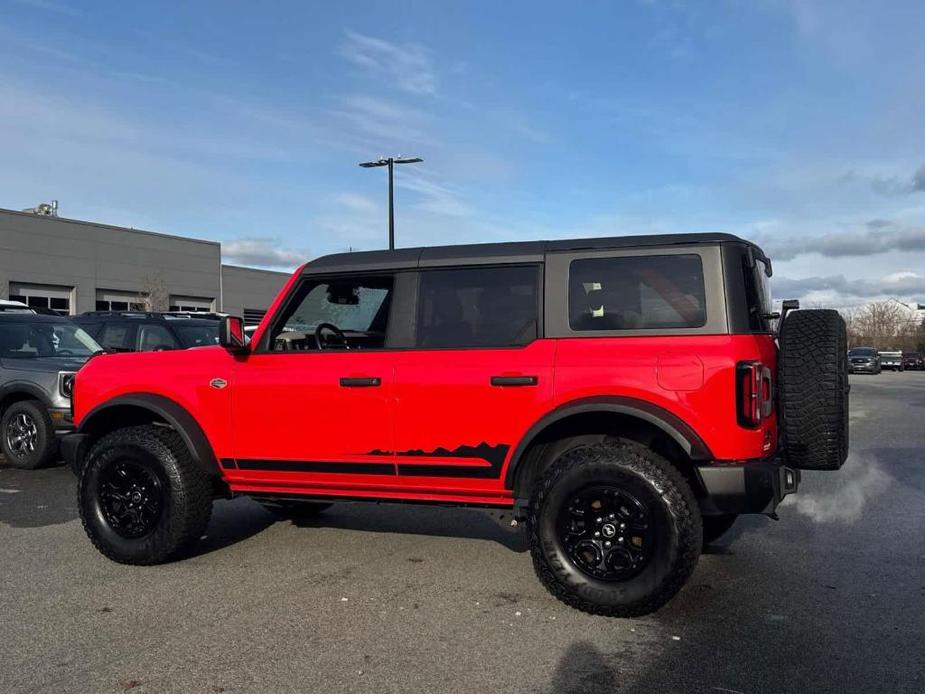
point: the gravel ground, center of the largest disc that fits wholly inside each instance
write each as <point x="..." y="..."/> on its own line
<point x="406" y="599"/>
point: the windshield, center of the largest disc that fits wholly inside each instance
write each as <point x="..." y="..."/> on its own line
<point x="197" y="335"/>
<point x="40" y="340"/>
<point x="862" y="352"/>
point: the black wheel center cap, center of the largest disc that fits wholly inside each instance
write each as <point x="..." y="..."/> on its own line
<point x="608" y="530"/>
<point x="136" y="497"/>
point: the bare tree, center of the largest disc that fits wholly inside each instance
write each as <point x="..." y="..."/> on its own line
<point x="882" y="325"/>
<point x="154" y="293"/>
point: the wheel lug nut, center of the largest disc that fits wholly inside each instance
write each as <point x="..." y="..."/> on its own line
<point x="612" y="516"/>
<point x="607" y="544"/>
<point x="597" y="534"/>
<point x="599" y="519"/>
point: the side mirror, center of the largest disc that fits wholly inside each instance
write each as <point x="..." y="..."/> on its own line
<point x="231" y="333"/>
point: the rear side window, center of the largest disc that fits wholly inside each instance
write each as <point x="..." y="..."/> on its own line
<point x="117" y="337"/>
<point x="637" y="293"/>
<point x="478" y="307"/>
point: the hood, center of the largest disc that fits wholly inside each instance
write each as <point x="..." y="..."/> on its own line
<point x="43" y="364"/>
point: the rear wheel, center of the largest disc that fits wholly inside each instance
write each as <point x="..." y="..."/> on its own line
<point x="142" y="497"/>
<point x="614" y="529"/>
<point x="27" y="435"/>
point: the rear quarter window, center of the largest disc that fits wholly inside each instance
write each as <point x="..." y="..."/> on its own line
<point x="637" y="293"/>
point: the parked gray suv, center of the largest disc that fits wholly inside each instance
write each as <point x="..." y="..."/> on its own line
<point x="39" y="356"/>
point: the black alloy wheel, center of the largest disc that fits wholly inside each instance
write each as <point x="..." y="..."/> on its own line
<point x="607" y="532"/>
<point x="132" y="497"/>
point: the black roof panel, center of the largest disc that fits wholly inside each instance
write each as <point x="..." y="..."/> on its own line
<point x="16" y="317"/>
<point x="483" y="253"/>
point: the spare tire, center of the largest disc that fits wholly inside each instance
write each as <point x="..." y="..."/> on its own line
<point x="813" y="389"/>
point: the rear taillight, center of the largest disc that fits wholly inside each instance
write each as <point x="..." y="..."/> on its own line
<point x="754" y="393"/>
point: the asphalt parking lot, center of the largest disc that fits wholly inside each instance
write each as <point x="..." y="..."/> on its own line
<point x="405" y="599"/>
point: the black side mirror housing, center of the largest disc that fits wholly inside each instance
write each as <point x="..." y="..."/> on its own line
<point x="231" y="333"/>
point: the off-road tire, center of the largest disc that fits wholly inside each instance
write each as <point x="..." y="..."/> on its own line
<point x="295" y="509"/>
<point x="813" y="389"/>
<point x="678" y="529"/>
<point x="46" y="444"/>
<point x="714" y="527"/>
<point x="187" y="495"/>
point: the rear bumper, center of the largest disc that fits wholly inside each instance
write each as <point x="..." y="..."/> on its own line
<point x="748" y="487"/>
<point x="73" y="449"/>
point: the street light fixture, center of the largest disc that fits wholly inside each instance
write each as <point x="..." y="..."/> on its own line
<point x="390" y="162"/>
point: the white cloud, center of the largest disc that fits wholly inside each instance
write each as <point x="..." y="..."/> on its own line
<point x="261" y="252"/>
<point x="408" y="65"/>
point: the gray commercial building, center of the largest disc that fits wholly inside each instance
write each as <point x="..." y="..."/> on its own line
<point x="73" y="266"/>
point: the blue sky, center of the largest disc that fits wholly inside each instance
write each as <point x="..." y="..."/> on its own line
<point x="798" y="124"/>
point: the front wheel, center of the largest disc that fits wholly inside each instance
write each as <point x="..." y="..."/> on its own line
<point x="142" y="498"/>
<point x="614" y="529"/>
<point x="27" y="435"/>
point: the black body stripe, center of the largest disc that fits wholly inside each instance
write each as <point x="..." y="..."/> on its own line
<point x="495" y="455"/>
<point x="347" y="468"/>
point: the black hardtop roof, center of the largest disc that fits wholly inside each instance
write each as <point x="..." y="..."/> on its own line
<point x="24" y="317"/>
<point x="514" y="251"/>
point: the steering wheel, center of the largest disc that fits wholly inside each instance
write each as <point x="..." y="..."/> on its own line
<point x="334" y="330"/>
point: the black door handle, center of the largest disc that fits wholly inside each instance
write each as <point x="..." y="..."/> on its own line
<point x="364" y="382"/>
<point x="514" y="380"/>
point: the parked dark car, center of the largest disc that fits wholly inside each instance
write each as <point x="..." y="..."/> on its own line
<point x="864" y="360"/>
<point x="140" y="331"/>
<point x="914" y="361"/>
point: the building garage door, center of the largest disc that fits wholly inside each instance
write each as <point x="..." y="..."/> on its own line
<point x="58" y="299"/>
<point x="108" y="300"/>
<point x="252" y="316"/>
<point x="191" y="303"/>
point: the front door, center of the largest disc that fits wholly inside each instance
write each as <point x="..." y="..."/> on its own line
<point x="311" y="404"/>
<point x="475" y="382"/>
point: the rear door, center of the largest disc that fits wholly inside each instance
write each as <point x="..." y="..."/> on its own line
<point x="476" y="379"/>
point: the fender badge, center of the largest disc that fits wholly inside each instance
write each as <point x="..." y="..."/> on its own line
<point x="218" y="383"/>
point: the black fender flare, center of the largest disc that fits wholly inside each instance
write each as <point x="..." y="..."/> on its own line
<point x="689" y="441"/>
<point x="30" y="389"/>
<point x="171" y="412"/>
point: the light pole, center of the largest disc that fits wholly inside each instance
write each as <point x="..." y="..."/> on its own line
<point x="390" y="162"/>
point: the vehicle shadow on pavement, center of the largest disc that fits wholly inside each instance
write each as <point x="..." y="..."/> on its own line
<point x="37" y="498"/>
<point x="582" y="669"/>
<point x="232" y="521"/>
<point x="418" y="520"/>
<point x="743" y="526"/>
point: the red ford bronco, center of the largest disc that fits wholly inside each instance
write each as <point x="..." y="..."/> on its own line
<point x="625" y="397"/>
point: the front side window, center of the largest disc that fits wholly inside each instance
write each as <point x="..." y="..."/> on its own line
<point x="37" y="340"/>
<point x="637" y="293"/>
<point x="478" y="307"/>
<point x="340" y="313"/>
